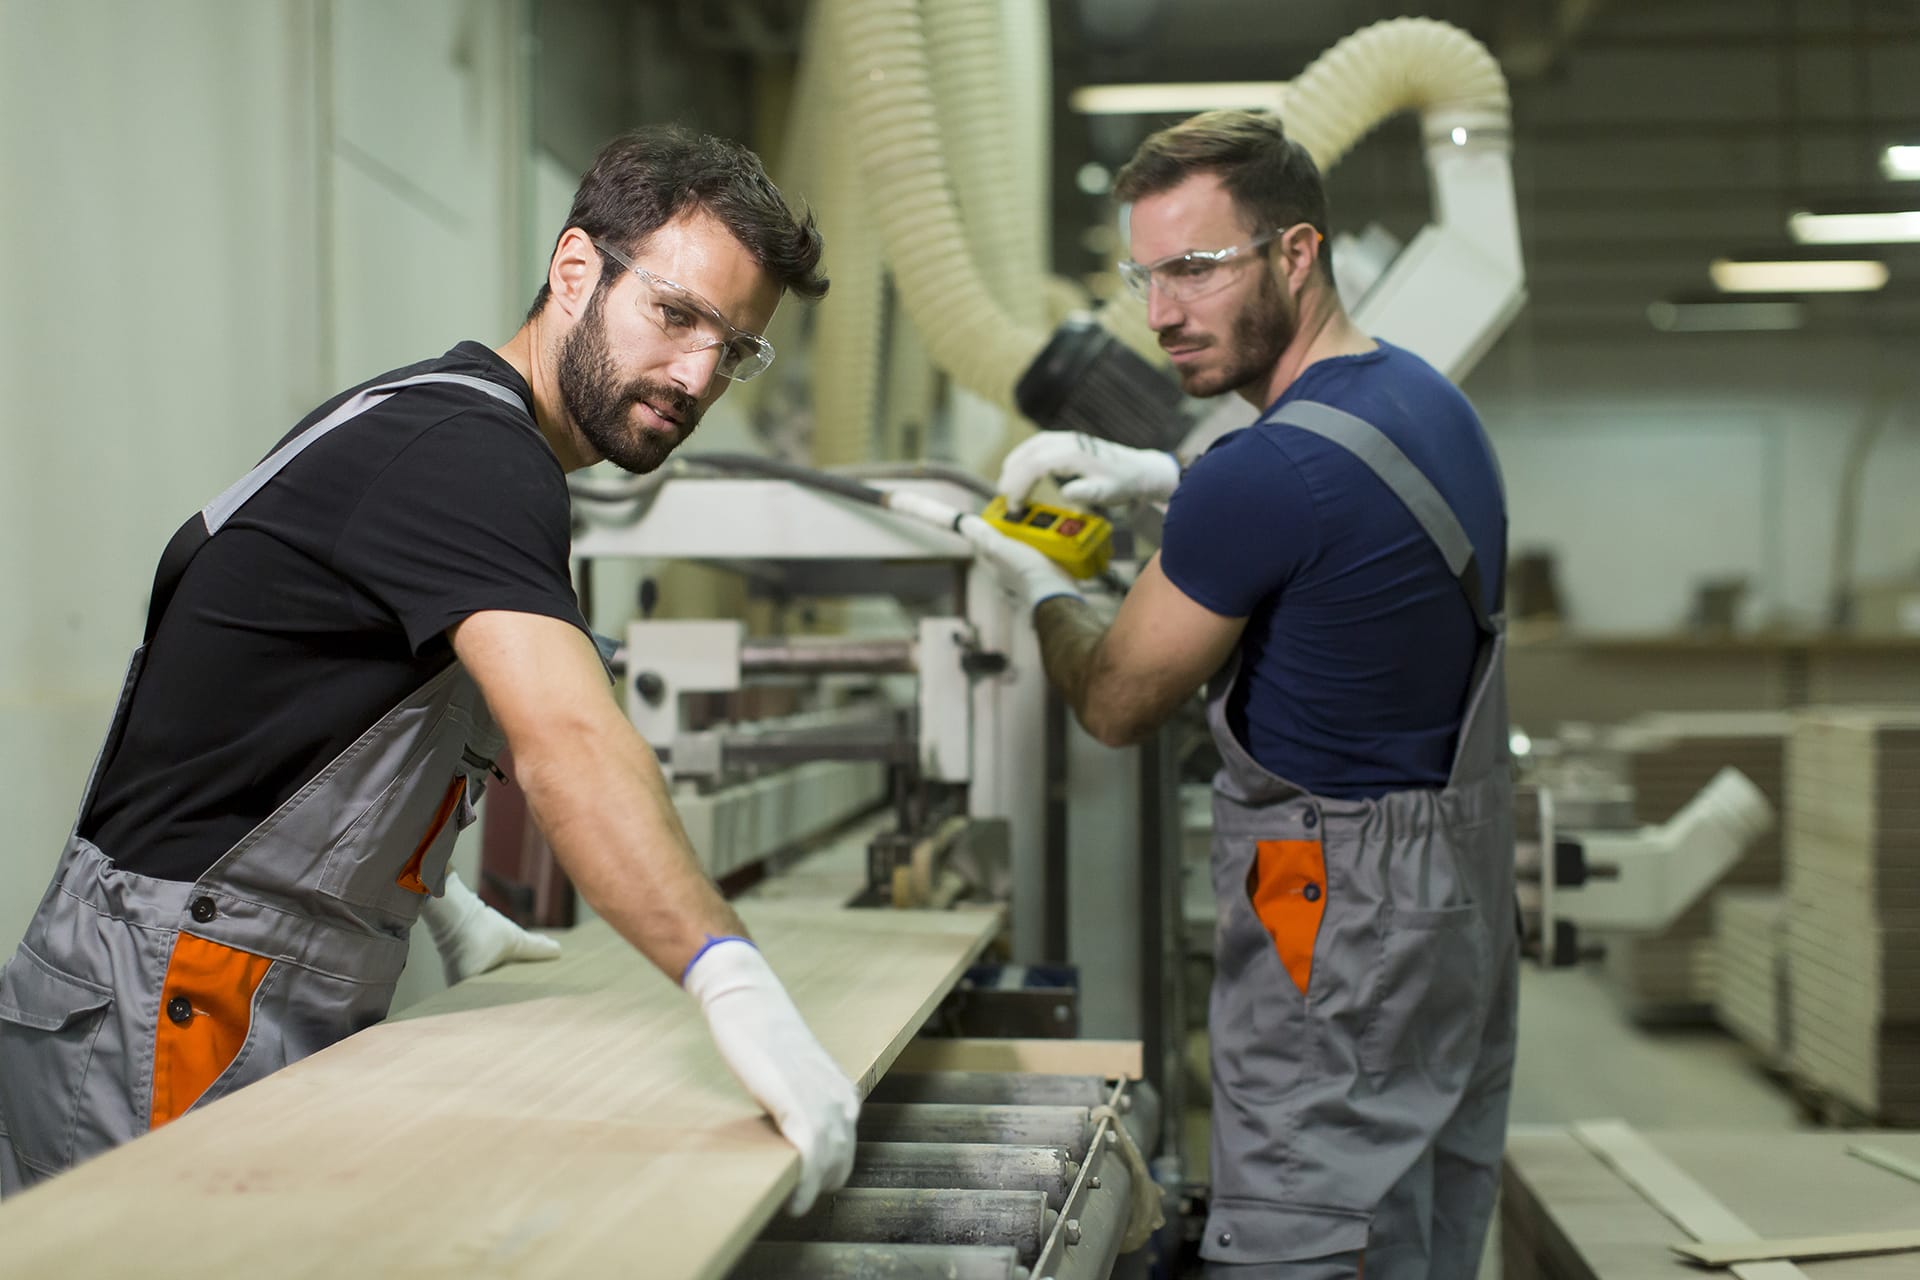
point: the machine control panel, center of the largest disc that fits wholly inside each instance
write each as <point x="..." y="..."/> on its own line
<point x="1078" y="541"/>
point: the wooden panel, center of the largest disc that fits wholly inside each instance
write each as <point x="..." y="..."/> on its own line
<point x="1718" y="1254"/>
<point x="1669" y="1189"/>
<point x="1565" y="1214"/>
<point x="1113" y="1059"/>
<point x="560" y="1119"/>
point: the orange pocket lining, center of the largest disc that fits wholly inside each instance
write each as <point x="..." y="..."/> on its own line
<point x="409" y="877"/>
<point x="1288" y="885"/>
<point x="218" y="982"/>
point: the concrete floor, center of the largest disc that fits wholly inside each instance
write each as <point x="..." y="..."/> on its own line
<point x="1582" y="1059"/>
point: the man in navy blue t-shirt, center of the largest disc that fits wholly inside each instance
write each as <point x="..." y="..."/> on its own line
<point x="1337" y="568"/>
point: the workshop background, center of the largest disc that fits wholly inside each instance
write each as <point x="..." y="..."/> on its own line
<point x="215" y="213"/>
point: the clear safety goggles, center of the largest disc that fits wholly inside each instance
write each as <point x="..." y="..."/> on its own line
<point x="1186" y="276"/>
<point x="691" y="324"/>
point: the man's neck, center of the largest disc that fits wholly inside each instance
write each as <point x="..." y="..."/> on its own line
<point x="526" y="355"/>
<point x="1325" y="331"/>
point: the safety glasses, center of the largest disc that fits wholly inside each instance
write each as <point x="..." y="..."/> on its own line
<point x="1186" y="276"/>
<point x="691" y="324"/>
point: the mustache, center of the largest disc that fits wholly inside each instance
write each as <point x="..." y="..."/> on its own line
<point x="680" y="406"/>
<point x="1181" y="338"/>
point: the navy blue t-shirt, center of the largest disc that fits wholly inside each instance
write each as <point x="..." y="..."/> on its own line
<point x="1359" y="643"/>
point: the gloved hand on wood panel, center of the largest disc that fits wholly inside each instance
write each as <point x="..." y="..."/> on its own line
<point x="775" y="1057"/>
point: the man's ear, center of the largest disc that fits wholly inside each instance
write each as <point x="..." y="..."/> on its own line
<point x="1299" y="249"/>
<point x="574" y="271"/>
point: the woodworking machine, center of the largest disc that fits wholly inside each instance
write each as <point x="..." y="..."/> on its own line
<point x="1630" y="880"/>
<point x="975" y="1176"/>
<point x="925" y="715"/>
<point x="930" y="713"/>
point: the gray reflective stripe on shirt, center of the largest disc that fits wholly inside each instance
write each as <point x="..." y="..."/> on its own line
<point x="221" y="509"/>
<point x="1383" y="457"/>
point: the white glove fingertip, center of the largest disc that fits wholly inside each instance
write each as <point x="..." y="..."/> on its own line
<point x="1015" y="483"/>
<point x="1087" y="490"/>
<point x="533" y="946"/>
<point x="804" y="1194"/>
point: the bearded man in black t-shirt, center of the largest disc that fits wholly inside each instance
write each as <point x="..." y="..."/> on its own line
<point x="337" y="648"/>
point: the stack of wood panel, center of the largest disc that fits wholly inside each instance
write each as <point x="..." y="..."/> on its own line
<point x="1750" y="953"/>
<point x="1853" y="914"/>
<point x="1668" y="758"/>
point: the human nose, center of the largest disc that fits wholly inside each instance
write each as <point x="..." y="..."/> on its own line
<point x="694" y="371"/>
<point x="1163" y="312"/>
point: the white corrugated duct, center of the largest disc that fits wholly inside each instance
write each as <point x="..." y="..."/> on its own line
<point x="1404" y="64"/>
<point x="1401" y="64"/>
<point x="970" y="335"/>
<point x="848" y="323"/>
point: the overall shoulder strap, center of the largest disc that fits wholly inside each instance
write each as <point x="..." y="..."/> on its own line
<point x="1397" y="471"/>
<point x="181" y="551"/>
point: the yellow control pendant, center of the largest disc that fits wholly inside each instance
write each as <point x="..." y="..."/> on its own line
<point x="1078" y="541"/>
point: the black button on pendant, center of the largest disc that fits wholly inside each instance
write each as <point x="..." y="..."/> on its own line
<point x="1312" y="820"/>
<point x="203" y="909"/>
<point x="1311" y="893"/>
<point x="180" y="1009"/>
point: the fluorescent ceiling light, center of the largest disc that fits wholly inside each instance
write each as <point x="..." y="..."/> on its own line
<point x="1176" y="99"/>
<point x="1725" y="317"/>
<point x="1802" y="276"/>
<point x="1896" y="227"/>
<point x="1900" y="163"/>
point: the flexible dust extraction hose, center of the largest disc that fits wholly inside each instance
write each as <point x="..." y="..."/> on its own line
<point x="1388" y="67"/>
<point x="848" y="323"/>
<point x="1403" y="64"/>
<point x="969" y="61"/>
<point x="907" y="177"/>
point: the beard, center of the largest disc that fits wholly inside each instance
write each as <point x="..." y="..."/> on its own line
<point x="601" y="403"/>
<point x="1261" y="332"/>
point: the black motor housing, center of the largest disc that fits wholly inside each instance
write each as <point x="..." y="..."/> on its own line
<point x="1085" y="379"/>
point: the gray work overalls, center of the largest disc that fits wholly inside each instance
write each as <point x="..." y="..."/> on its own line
<point x="1363" y="1007"/>
<point x="131" y="999"/>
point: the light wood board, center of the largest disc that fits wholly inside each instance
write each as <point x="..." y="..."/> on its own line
<point x="1726" y="1254"/>
<point x="1674" y="1193"/>
<point x="1565" y="1214"/>
<point x="570" y="1118"/>
<point x="1112" y="1059"/>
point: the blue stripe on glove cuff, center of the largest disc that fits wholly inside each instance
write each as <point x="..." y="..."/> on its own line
<point x="711" y="942"/>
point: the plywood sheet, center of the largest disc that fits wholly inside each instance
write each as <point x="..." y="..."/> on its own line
<point x="1566" y="1214"/>
<point x="560" y="1119"/>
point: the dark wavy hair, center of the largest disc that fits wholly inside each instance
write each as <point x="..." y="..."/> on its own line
<point x="1273" y="181"/>
<point x="644" y="179"/>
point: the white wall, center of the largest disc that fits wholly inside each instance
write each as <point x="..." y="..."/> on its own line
<point x="1650" y="469"/>
<point x="214" y="213"/>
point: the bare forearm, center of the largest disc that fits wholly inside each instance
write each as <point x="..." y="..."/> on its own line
<point x="600" y="798"/>
<point x="1070" y="635"/>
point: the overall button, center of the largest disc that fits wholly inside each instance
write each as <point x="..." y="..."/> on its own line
<point x="203" y="910"/>
<point x="1311" y="893"/>
<point x="180" y="1009"/>
<point x="1226" y="1238"/>
<point x="1312" y="820"/>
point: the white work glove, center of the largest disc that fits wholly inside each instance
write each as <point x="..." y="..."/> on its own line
<point x="1024" y="571"/>
<point x="1107" y="472"/>
<point x="472" y="937"/>
<point x="774" y="1056"/>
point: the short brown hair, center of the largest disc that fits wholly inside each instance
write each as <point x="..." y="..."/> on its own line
<point x="644" y="179"/>
<point x="1273" y="181"/>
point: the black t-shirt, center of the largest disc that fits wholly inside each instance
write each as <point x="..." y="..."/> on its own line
<point x="324" y="602"/>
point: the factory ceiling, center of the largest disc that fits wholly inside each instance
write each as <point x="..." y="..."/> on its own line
<point x="1651" y="136"/>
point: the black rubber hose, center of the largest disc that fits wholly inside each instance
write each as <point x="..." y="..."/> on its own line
<point x="755" y="464"/>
